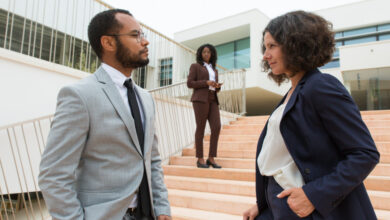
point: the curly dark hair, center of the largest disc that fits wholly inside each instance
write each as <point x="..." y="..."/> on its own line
<point x="213" y="57"/>
<point x="103" y="23"/>
<point x="306" y="39"/>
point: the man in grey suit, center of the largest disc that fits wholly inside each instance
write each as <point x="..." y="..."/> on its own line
<point x="101" y="159"/>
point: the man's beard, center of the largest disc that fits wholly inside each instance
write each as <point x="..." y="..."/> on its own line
<point x="129" y="59"/>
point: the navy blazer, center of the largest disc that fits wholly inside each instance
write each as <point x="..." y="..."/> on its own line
<point x="331" y="146"/>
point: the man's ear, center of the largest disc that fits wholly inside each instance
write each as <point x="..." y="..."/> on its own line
<point x="108" y="43"/>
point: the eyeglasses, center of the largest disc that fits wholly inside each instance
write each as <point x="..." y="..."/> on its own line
<point x="138" y="35"/>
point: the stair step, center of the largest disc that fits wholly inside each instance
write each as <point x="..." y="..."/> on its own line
<point x="375" y="112"/>
<point x="222" y="203"/>
<point x="248" y="154"/>
<point x="383" y="147"/>
<point x="235" y="138"/>
<point x="232" y="187"/>
<point x="379" y="183"/>
<point x="380" y="199"/>
<point x="224" y="173"/>
<point x="258" y="127"/>
<point x="377" y="123"/>
<point x="224" y="162"/>
<point x="382" y="214"/>
<point x="180" y="213"/>
<point x="228" y="145"/>
<point x="381" y="169"/>
<point x="385" y="158"/>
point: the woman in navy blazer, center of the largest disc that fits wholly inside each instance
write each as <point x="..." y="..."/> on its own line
<point x="320" y="125"/>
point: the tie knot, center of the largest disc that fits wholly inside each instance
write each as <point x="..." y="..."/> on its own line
<point x="127" y="84"/>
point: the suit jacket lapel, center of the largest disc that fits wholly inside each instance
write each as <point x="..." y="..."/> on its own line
<point x="115" y="99"/>
<point x="294" y="96"/>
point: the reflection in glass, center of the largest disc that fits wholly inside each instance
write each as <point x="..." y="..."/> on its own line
<point x="369" y="88"/>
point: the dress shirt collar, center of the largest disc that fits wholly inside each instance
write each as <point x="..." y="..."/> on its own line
<point x="117" y="77"/>
<point x="208" y="65"/>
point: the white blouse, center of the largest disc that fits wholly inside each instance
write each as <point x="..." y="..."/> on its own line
<point x="209" y="68"/>
<point x="275" y="159"/>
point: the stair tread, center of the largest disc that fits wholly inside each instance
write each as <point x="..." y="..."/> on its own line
<point x="211" y="169"/>
<point x="212" y="196"/>
<point x="197" y="214"/>
<point x="210" y="180"/>
<point x="382" y="214"/>
<point x="378" y="193"/>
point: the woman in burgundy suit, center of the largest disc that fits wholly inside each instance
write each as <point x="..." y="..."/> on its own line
<point x="203" y="78"/>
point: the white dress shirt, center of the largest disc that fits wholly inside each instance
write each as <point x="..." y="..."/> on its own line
<point x="209" y="68"/>
<point x="119" y="79"/>
<point x="275" y="159"/>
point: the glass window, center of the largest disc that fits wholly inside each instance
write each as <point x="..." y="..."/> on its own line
<point x="359" y="31"/>
<point x="242" y="54"/>
<point x="360" y="40"/>
<point x="331" y="64"/>
<point x="225" y="54"/>
<point x="384" y="37"/>
<point x="338" y="34"/>
<point x="384" y="27"/>
<point x="166" y="71"/>
<point x="337" y="52"/>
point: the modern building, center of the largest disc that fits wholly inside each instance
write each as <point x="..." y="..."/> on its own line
<point x="361" y="60"/>
<point x="44" y="46"/>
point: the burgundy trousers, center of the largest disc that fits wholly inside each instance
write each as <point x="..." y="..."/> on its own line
<point x="207" y="112"/>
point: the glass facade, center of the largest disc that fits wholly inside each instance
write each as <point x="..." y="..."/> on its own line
<point x="235" y="54"/>
<point x="166" y="71"/>
<point x="357" y="36"/>
<point x="369" y="88"/>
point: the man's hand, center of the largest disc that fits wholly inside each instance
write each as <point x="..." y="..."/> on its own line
<point x="251" y="213"/>
<point x="298" y="201"/>
<point x="164" y="217"/>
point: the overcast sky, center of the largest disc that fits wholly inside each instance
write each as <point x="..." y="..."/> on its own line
<point x="170" y="16"/>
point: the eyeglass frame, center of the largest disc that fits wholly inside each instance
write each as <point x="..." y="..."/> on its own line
<point x="139" y="35"/>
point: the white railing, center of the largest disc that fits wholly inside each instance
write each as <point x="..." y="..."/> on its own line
<point x="56" y="31"/>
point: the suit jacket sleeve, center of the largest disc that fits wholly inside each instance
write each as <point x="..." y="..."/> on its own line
<point x="193" y="81"/>
<point x="159" y="190"/>
<point x="62" y="154"/>
<point x="343" y="123"/>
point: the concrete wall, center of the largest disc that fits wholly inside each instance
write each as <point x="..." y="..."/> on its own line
<point x="29" y="86"/>
<point x="365" y="56"/>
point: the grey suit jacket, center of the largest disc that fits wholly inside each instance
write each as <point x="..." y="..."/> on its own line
<point x="93" y="164"/>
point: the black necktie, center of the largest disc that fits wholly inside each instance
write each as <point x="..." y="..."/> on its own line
<point x="143" y="196"/>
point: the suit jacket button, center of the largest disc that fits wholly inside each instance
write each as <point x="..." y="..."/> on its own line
<point x="307" y="171"/>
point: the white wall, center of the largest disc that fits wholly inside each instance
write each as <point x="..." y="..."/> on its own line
<point x="29" y="86"/>
<point x="365" y="56"/>
<point x="356" y="15"/>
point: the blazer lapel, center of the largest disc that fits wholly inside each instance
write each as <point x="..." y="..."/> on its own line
<point x="112" y="93"/>
<point x="294" y="96"/>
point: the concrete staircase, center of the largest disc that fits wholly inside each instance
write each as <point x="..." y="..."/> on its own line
<point x="226" y="193"/>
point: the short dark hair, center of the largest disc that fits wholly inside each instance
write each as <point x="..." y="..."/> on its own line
<point x="102" y="24"/>
<point x="306" y="39"/>
<point x="213" y="57"/>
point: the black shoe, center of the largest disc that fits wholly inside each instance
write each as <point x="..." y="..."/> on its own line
<point x="201" y="165"/>
<point x="214" y="165"/>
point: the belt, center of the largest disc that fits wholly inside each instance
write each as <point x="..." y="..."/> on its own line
<point x="131" y="211"/>
<point x="211" y="91"/>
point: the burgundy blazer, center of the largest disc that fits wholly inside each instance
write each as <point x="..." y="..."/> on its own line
<point x="197" y="80"/>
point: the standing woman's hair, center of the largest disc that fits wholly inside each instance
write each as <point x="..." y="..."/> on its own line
<point x="213" y="57"/>
<point x="306" y="40"/>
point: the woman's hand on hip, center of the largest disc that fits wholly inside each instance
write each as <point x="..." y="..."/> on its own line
<point x="251" y="213"/>
<point x="298" y="201"/>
